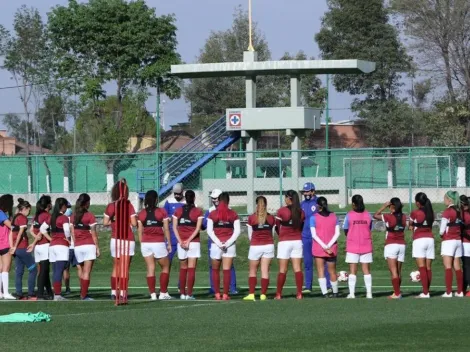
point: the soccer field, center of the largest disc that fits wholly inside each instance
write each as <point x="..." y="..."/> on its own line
<point x="314" y="323"/>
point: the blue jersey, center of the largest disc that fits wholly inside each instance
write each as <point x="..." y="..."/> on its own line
<point x="171" y="205"/>
<point x="309" y="207"/>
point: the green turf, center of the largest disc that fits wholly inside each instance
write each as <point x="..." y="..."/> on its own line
<point x="312" y="324"/>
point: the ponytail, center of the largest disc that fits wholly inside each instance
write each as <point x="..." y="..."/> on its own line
<point x="423" y="200"/>
<point x="59" y="204"/>
<point x="358" y="201"/>
<point x="398" y="213"/>
<point x="222" y="209"/>
<point x="323" y="204"/>
<point x="295" y="209"/>
<point x="81" y="207"/>
<point x="151" y="200"/>
<point x="190" y="198"/>
<point x="463" y="203"/>
<point x="261" y="211"/>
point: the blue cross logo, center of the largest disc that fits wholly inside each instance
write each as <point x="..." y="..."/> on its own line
<point x="235" y="120"/>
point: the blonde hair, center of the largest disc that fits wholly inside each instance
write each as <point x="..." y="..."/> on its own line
<point x="261" y="209"/>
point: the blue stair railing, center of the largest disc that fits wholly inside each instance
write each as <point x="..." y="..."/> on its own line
<point x="188" y="159"/>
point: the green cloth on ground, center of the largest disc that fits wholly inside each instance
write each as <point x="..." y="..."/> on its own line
<point x="25" y="318"/>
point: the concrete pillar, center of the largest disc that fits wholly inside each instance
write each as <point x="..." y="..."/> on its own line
<point x="250" y="81"/>
<point x="251" y="147"/>
<point x="295" y="91"/>
<point x="296" y="165"/>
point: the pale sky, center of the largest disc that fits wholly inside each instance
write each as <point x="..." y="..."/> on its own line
<point x="289" y="25"/>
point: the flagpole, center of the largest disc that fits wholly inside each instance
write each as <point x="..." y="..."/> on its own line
<point x="250" y="22"/>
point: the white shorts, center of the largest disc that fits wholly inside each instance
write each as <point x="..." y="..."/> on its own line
<point x="194" y="251"/>
<point x="217" y="254"/>
<point x="121" y="249"/>
<point x="353" y="258"/>
<point x="41" y="252"/>
<point x="423" y="248"/>
<point x="58" y="253"/>
<point x="395" y="251"/>
<point x="466" y="249"/>
<point x="451" y="248"/>
<point x="157" y="249"/>
<point x="290" y="249"/>
<point x="85" y="253"/>
<point x="261" y="251"/>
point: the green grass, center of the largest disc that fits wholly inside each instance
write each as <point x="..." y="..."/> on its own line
<point x="311" y="324"/>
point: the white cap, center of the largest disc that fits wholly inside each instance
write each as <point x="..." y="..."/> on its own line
<point x="178" y="188"/>
<point x="216" y="193"/>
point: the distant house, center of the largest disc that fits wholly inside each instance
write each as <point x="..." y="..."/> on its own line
<point x="10" y="146"/>
<point x="171" y="141"/>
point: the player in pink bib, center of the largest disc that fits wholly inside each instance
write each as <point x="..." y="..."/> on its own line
<point x="358" y="229"/>
<point x="324" y="227"/>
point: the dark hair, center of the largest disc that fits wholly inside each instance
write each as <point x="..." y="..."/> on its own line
<point x="190" y="197"/>
<point x="222" y="209"/>
<point x="22" y="204"/>
<point x="81" y="207"/>
<point x="358" y="201"/>
<point x="463" y="202"/>
<point x="423" y="200"/>
<point x="42" y="204"/>
<point x="59" y="204"/>
<point x="398" y="213"/>
<point x="6" y="204"/>
<point x="120" y="190"/>
<point x="151" y="200"/>
<point x="295" y="209"/>
<point x="323" y="204"/>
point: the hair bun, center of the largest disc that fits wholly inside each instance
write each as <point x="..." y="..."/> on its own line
<point x="20" y="200"/>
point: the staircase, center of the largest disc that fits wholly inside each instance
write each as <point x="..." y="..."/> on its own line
<point x="188" y="159"/>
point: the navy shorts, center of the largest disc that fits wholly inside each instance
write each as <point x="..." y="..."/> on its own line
<point x="4" y="251"/>
<point x="72" y="259"/>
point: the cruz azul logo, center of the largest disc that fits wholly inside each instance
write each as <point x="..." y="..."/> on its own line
<point x="235" y="119"/>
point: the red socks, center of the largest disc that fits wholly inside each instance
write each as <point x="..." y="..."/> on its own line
<point x="448" y="281"/>
<point x="299" y="281"/>
<point x="281" y="280"/>
<point x="113" y="283"/>
<point x="164" y="279"/>
<point x="429" y="278"/>
<point x="423" y="274"/>
<point x="396" y="286"/>
<point x="183" y="276"/>
<point x="252" y="281"/>
<point x="227" y="279"/>
<point x="151" y="281"/>
<point x="459" y="275"/>
<point x="264" y="286"/>
<point x="191" y="279"/>
<point x="216" y="280"/>
<point x="57" y="288"/>
<point x="84" y="287"/>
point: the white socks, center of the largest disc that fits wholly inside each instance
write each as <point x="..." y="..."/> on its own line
<point x="352" y="284"/>
<point x="334" y="286"/>
<point x="322" y="283"/>
<point x="5" y="283"/>
<point x="368" y="283"/>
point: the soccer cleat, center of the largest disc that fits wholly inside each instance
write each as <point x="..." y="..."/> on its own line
<point x="225" y="297"/>
<point x="59" y="298"/>
<point x="468" y="294"/>
<point x="87" y="298"/>
<point x="166" y="296"/>
<point x="250" y="297"/>
<point x="306" y="290"/>
<point x="334" y="295"/>
<point x="393" y="296"/>
<point x="263" y="298"/>
<point x="299" y="296"/>
<point x="67" y="291"/>
<point x="217" y="297"/>
<point x="278" y="296"/>
<point x="9" y="297"/>
<point x="183" y="297"/>
<point x="153" y="296"/>
<point x="190" y="298"/>
<point x="423" y="295"/>
<point x="459" y="294"/>
<point x="326" y="296"/>
<point x="369" y="295"/>
<point x="351" y="296"/>
<point x="234" y="292"/>
<point x="330" y="290"/>
<point x="32" y="298"/>
<point x="113" y="297"/>
<point x="447" y="295"/>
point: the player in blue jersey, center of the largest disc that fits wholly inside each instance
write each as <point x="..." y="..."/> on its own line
<point x="215" y="202"/>
<point x="309" y="206"/>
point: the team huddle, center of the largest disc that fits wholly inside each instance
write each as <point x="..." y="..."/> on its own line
<point x="307" y="231"/>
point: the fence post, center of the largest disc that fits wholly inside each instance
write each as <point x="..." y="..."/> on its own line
<point x="280" y="178"/>
<point x="410" y="175"/>
<point x="37" y="177"/>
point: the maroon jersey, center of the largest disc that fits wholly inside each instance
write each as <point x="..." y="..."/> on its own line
<point x="82" y="230"/>
<point x="453" y="231"/>
<point x="395" y="228"/>
<point x="57" y="232"/>
<point x="466" y="223"/>
<point x="223" y="229"/>
<point x="262" y="234"/>
<point x="286" y="231"/>
<point x="187" y="221"/>
<point x="421" y="229"/>
<point x="110" y="212"/>
<point x="152" y="221"/>
<point x="44" y="217"/>
<point x="20" y="222"/>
